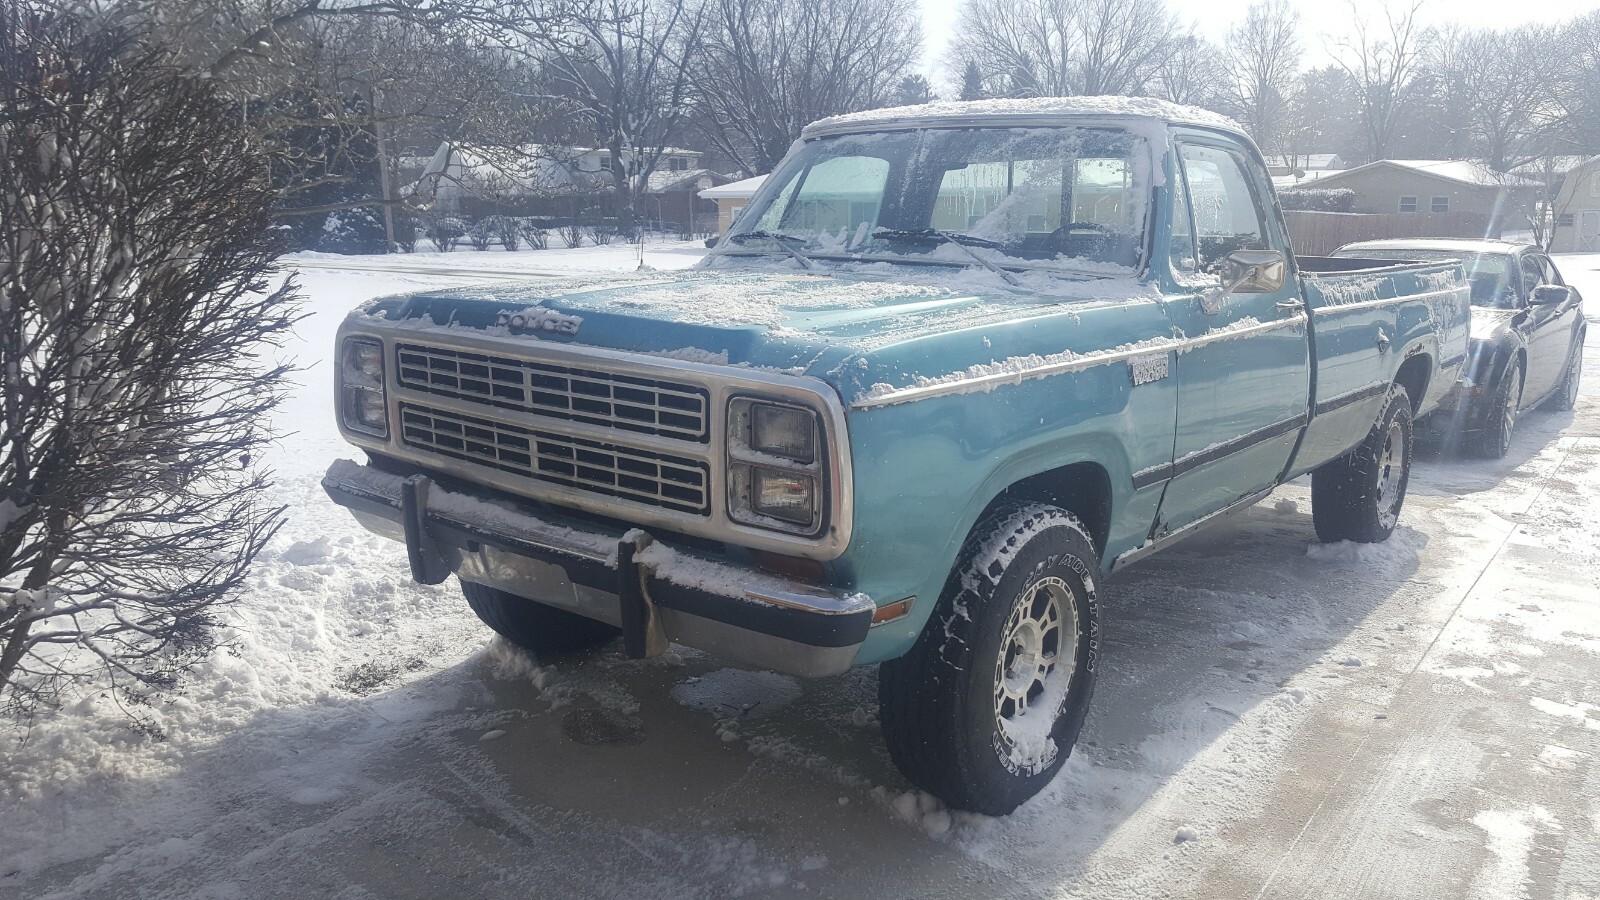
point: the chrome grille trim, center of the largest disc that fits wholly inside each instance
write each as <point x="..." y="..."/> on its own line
<point x="608" y="399"/>
<point x="641" y="476"/>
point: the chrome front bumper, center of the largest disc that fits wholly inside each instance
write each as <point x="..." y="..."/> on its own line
<point x="653" y="592"/>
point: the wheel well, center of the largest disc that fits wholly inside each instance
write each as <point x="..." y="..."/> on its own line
<point x="1083" y="489"/>
<point x="1413" y="376"/>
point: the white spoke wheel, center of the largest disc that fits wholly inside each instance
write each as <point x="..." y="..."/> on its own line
<point x="1033" y="672"/>
<point x="1567" y="395"/>
<point x="1358" y="496"/>
<point x="985" y="708"/>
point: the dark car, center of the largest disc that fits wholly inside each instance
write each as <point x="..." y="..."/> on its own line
<point x="1527" y="335"/>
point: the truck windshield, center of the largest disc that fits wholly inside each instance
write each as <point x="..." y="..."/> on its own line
<point x="1061" y="198"/>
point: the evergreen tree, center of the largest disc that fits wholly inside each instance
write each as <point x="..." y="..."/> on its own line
<point x="972" y="82"/>
<point x="912" y="90"/>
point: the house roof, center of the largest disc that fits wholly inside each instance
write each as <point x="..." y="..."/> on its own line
<point x="666" y="181"/>
<point x="1460" y="171"/>
<point x="1309" y="179"/>
<point x="734" y="190"/>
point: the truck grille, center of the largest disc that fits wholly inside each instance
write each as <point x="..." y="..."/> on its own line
<point x="608" y="399"/>
<point x="654" y="479"/>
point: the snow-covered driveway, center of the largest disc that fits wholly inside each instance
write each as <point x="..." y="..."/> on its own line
<point x="1275" y="718"/>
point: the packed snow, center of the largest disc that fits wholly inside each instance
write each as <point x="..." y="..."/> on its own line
<point x="1273" y="717"/>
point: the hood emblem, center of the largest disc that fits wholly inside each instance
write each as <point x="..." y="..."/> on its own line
<point x="536" y="319"/>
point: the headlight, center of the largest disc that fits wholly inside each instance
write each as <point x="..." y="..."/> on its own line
<point x="774" y="479"/>
<point x="362" y="402"/>
<point x="784" y="431"/>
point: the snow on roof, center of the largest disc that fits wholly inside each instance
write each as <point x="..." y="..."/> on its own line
<point x="1307" y="161"/>
<point x="1289" y="182"/>
<point x="1551" y="165"/>
<point x="1458" y="170"/>
<point x="734" y="190"/>
<point x="1039" y="107"/>
<point x="663" y="180"/>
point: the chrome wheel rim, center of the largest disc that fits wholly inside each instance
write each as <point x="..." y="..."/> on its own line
<point x="1391" y="475"/>
<point x="1508" y="415"/>
<point x="1572" y="380"/>
<point x="1040" y="638"/>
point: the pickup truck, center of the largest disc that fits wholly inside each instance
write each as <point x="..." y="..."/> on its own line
<point x="953" y="365"/>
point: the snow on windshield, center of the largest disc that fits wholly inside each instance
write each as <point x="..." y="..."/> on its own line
<point x="1072" y="198"/>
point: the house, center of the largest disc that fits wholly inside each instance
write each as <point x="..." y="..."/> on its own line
<point x="1471" y="191"/>
<point x="1306" y="179"/>
<point x="1304" y="163"/>
<point x="546" y="180"/>
<point x="731" y="199"/>
<point x="1577" y="210"/>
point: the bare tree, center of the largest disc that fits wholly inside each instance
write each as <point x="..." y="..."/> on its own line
<point x="1193" y="71"/>
<point x="1509" y="81"/>
<point x="768" y="67"/>
<point x="1062" y="47"/>
<point x="1263" y="62"/>
<point x="136" y="312"/>
<point x="625" y="65"/>
<point x="1383" y="61"/>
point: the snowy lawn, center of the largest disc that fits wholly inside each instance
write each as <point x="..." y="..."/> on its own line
<point x="1405" y="720"/>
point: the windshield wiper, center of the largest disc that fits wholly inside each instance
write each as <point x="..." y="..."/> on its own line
<point x="965" y="241"/>
<point x="786" y="241"/>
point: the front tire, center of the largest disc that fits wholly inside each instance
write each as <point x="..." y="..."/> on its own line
<point x="1358" y="496"/>
<point x="534" y="626"/>
<point x="1493" y="439"/>
<point x="984" y="709"/>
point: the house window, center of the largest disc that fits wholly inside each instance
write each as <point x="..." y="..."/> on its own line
<point x="1439" y="205"/>
<point x="677" y="164"/>
<point x="1408" y="204"/>
<point x="605" y="163"/>
<point x="1594" y="187"/>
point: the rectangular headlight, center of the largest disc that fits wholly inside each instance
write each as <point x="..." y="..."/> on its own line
<point x="784" y="495"/>
<point x="786" y="431"/>
<point x="363" y="405"/>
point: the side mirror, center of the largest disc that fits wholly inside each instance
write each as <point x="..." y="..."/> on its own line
<point x="1550" y="295"/>
<point x="1254" y="271"/>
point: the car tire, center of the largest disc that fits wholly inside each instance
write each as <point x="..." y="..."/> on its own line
<point x="1492" y="440"/>
<point x="532" y="625"/>
<point x="955" y="708"/>
<point x="1566" y="396"/>
<point x="1358" y="496"/>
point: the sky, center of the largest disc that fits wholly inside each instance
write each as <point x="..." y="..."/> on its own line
<point x="1322" y="21"/>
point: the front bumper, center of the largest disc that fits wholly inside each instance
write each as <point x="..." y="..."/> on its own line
<point x="653" y="592"/>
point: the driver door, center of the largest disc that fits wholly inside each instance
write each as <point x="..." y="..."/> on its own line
<point x="1243" y="379"/>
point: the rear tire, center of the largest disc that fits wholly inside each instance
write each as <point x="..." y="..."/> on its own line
<point x="1567" y="394"/>
<point x="532" y="625"/>
<point x="1493" y="439"/>
<point x="984" y="709"/>
<point x="1358" y="496"/>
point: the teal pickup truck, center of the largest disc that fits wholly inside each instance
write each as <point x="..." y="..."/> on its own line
<point x="953" y="365"/>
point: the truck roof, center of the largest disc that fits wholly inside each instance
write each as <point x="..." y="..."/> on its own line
<point x="1032" y="111"/>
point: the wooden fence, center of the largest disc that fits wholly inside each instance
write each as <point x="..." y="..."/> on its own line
<point x="1321" y="233"/>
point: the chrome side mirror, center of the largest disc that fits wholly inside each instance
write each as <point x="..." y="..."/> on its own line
<point x="1550" y="295"/>
<point x="1247" y="272"/>
<point x="1255" y="271"/>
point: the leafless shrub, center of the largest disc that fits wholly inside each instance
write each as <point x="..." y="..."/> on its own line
<point x="137" y="319"/>
<point x="509" y="231"/>
<point x="537" y="236"/>
<point x="481" y="233"/>
<point x="571" y="234"/>
<point x="600" y="233"/>
<point x="443" y="231"/>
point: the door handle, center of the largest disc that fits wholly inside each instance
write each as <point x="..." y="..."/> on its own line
<point x="1290" y="306"/>
<point x="1383" y="339"/>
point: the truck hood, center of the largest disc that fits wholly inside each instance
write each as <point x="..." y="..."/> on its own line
<point x="848" y="329"/>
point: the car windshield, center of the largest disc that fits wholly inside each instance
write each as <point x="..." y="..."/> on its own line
<point x="1489" y="273"/>
<point x="1064" y="198"/>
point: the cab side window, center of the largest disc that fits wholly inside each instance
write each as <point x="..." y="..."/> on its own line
<point x="1227" y="210"/>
